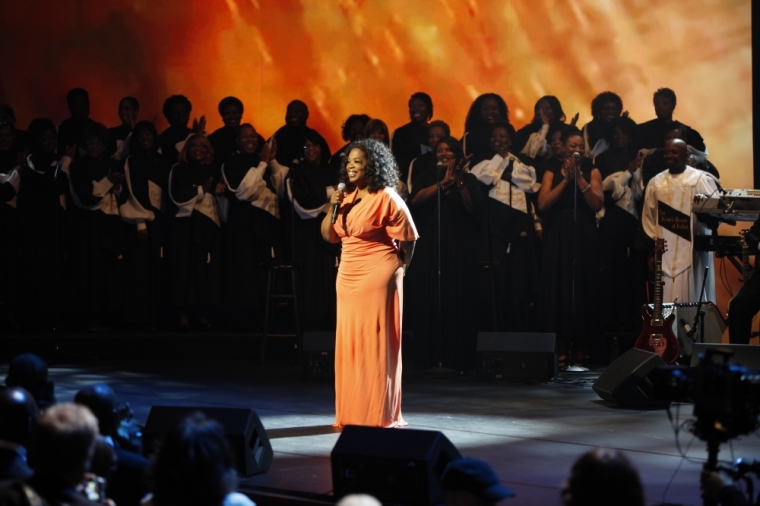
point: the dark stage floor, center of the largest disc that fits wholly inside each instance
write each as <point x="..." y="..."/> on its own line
<point x="530" y="433"/>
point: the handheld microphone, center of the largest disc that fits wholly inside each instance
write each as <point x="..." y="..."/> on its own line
<point x="687" y="328"/>
<point x="334" y="218"/>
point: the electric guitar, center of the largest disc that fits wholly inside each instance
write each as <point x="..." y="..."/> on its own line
<point x="657" y="335"/>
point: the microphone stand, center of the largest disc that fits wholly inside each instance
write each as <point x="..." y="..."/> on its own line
<point x="699" y="316"/>
<point x="439" y="319"/>
<point x="574" y="367"/>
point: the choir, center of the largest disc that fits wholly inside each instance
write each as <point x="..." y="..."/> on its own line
<point x="536" y="229"/>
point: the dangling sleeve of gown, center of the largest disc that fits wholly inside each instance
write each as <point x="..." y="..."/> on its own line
<point x="399" y="224"/>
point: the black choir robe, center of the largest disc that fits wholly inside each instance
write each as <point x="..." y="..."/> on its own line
<point x="290" y="143"/>
<point x="308" y="189"/>
<point x="145" y="287"/>
<point x="407" y="144"/>
<point x="119" y="138"/>
<point x="96" y="240"/>
<point x="73" y="131"/>
<point x="41" y="240"/>
<point x="9" y="254"/>
<point x="651" y="134"/>
<point x="194" y="238"/>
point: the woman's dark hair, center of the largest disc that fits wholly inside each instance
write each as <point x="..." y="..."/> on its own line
<point x="76" y="93"/>
<point x="606" y="96"/>
<point x="559" y="127"/>
<point x="377" y="125"/>
<point x="559" y="114"/>
<point x="440" y="124"/>
<point x="97" y="130"/>
<point x="667" y="93"/>
<point x="601" y="477"/>
<point x="175" y="99"/>
<point x="503" y="124"/>
<point x="425" y="98"/>
<point x="4" y="124"/>
<point x="473" y="115"/>
<point x="36" y="130"/>
<point x="194" y="466"/>
<point x="381" y="165"/>
<point x="570" y="132"/>
<point x="7" y="111"/>
<point x="627" y="126"/>
<point x="133" y="100"/>
<point x="346" y="127"/>
<point x="142" y="126"/>
<point x="230" y="101"/>
<point x="454" y="145"/>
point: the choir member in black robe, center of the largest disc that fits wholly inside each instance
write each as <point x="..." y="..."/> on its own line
<point x="72" y="131"/>
<point x="570" y="269"/>
<point x="310" y="185"/>
<point x="623" y="275"/>
<point x="95" y="233"/>
<point x="253" y="235"/>
<point x="352" y="130"/>
<point x="509" y="235"/>
<point x="41" y="203"/>
<point x="119" y="136"/>
<point x="532" y="141"/>
<point x="292" y="136"/>
<point x="12" y="154"/>
<point x="177" y="110"/>
<point x="436" y="131"/>
<point x="486" y="110"/>
<point x="146" y="175"/>
<point x="605" y="108"/>
<point x="224" y="139"/>
<point x="407" y="141"/>
<point x="21" y="138"/>
<point x="9" y="260"/>
<point x="194" y="238"/>
<point x="652" y="132"/>
<point x="450" y="335"/>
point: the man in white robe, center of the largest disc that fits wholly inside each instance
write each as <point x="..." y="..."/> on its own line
<point x="667" y="214"/>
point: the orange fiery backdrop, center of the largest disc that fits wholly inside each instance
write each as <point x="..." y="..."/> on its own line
<point x="363" y="56"/>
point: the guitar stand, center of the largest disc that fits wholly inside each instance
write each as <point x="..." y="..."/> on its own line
<point x="699" y="317"/>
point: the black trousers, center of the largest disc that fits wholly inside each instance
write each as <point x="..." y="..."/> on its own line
<point x="743" y="308"/>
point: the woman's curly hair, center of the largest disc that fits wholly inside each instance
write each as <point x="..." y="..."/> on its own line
<point x="381" y="167"/>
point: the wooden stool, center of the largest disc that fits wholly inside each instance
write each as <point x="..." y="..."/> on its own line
<point x="282" y="266"/>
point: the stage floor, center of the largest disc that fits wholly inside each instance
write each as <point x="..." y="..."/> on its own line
<point x="529" y="433"/>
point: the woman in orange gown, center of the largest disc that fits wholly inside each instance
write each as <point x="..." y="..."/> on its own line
<point x="377" y="235"/>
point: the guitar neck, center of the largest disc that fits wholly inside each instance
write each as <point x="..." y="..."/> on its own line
<point x="657" y="287"/>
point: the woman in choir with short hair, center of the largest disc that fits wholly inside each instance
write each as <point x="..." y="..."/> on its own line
<point x="605" y="109"/>
<point x="119" y="136"/>
<point x="451" y="335"/>
<point x="408" y="140"/>
<point x="224" y="139"/>
<point x="96" y="237"/>
<point x="41" y="204"/>
<point x="377" y="129"/>
<point x="194" y="239"/>
<point x="310" y="185"/>
<point x="352" y="130"/>
<point x="531" y="141"/>
<point x="146" y="177"/>
<point x="485" y="110"/>
<point x="623" y="276"/>
<point x="254" y="231"/>
<point x="177" y="110"/>
<point x="508" y="239"/>
<point x="569" y="294"/>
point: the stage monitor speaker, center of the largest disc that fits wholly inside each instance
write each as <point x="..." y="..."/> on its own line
<point x="396" y="466"/>
<point x="715" y="325"/>
<point x="318" y="354"/>
<point x="747" y="355"/>
<point x="245" y="433"/>
<point x="625" y="381"/>
<point x="517" y="355"/>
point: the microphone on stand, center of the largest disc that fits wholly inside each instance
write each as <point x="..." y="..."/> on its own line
<point x="576" y="157"/>
<point x="334" y="218"/>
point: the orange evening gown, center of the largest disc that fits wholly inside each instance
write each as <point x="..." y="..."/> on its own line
<point x="370" y="300"/>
